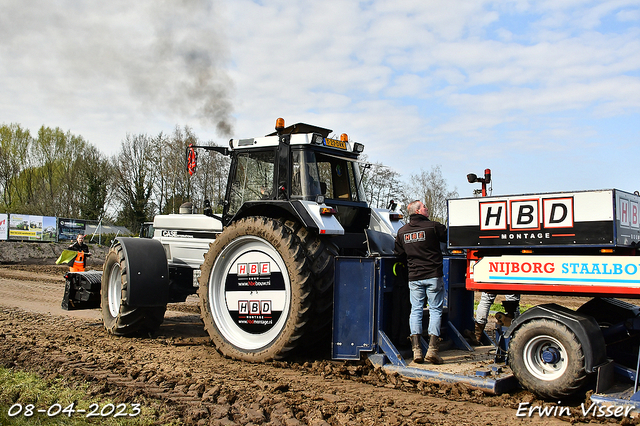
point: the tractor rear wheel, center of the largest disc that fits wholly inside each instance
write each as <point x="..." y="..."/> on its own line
<point x="547" y="359"/>
<point x="118" y="317"/>
<point x="259" y="287"/>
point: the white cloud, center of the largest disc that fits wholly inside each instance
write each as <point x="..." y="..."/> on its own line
<point x="121" y="60"/>
<point x="420" y="83"/>
<point x="628" y="15"/>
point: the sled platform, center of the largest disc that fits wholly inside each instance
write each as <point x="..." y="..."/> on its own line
<point x="82" y="290"/>
<point x="475" y="369"/>
<point x="370" y="327"/>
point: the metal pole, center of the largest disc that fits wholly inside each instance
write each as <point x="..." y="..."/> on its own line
<point x="635" y="380"/>
<point x="96" y="230"/>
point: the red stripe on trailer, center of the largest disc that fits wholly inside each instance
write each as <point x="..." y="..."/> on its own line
<point x="557" y="289"/>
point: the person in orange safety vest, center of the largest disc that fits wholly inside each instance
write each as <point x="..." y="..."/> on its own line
<point x="80" y="261"/>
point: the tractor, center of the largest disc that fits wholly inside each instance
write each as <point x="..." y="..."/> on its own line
<point x="266" y="264"/>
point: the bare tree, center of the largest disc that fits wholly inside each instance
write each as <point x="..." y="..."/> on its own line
<point x="60" y="174"/>
<point x="161" y="188"/>
<point x="171" y="186"/>
<point x="431" y="188"/>
<point x="134" y="180"/>
<point x="210" y="180"/>
<point x="380" y="184"/>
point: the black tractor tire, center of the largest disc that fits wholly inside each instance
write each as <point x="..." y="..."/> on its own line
<point x="547" y="359"/>
<point x="298" y="282"/>
<point x="321" y="254"/>
<point x="119" y="318"/>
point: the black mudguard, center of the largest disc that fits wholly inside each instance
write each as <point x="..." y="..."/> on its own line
<point x="147" y="272"/>
<point x="583" y="326"/>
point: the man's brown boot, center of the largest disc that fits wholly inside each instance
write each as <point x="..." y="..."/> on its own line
<point x="477" y="333"/>
<point x="432" y="353"/>
<point x="475" y="336"/>
<point x="417" y="348"/>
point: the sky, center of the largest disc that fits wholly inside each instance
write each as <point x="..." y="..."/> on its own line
<point x="544" y="93"/>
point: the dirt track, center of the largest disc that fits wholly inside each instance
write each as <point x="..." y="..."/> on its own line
<point x="184" y="380"/>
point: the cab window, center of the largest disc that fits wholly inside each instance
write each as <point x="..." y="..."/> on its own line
<point x="339" y="177"/>
<point x="253" y="179"/>
<point x="314" y="173"/>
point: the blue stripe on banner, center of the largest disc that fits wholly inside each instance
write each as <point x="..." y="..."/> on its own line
<point x="590" y="280"/>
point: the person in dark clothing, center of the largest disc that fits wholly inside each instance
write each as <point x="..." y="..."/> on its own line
<point x="511" y="306"/>
<point x="79" y="262"/>
<point x="419" y="241"/>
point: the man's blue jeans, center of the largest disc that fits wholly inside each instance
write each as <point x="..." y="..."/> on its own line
<point x="431" y="289"/>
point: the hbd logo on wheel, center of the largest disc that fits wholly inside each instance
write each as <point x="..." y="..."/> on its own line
<point x="254" y="307"/>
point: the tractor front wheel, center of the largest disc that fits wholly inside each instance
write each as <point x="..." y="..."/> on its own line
<point x="118" y="317"/>
<point x="258" y="289"/>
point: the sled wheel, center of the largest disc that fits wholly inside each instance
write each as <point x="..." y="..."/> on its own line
<point x="258" y="289"/>
<point x="119" y="318"/>
<point x="547" y="359"/>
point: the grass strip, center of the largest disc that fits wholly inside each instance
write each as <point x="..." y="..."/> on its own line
<point x="28" y="399"/>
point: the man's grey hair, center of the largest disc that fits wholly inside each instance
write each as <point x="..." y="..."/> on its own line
<point x="413" y="207"/>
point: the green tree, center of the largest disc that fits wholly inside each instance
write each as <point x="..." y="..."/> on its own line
<point x="52" y="164"/>
<point x="47" y="154"/>
<point x="14" y="146"/>
<point x="96" y="174"/>
<point x="72" y="185"/>
<point x="52" y="183"/>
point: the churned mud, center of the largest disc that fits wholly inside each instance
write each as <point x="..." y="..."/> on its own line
<point x="183" y="380"/>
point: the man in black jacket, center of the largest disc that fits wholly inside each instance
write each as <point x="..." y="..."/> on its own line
<point x="419" y="241"/>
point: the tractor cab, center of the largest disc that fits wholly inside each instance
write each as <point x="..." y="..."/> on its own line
<point x="286" y="173"/>
<point x="301" y="174"/>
